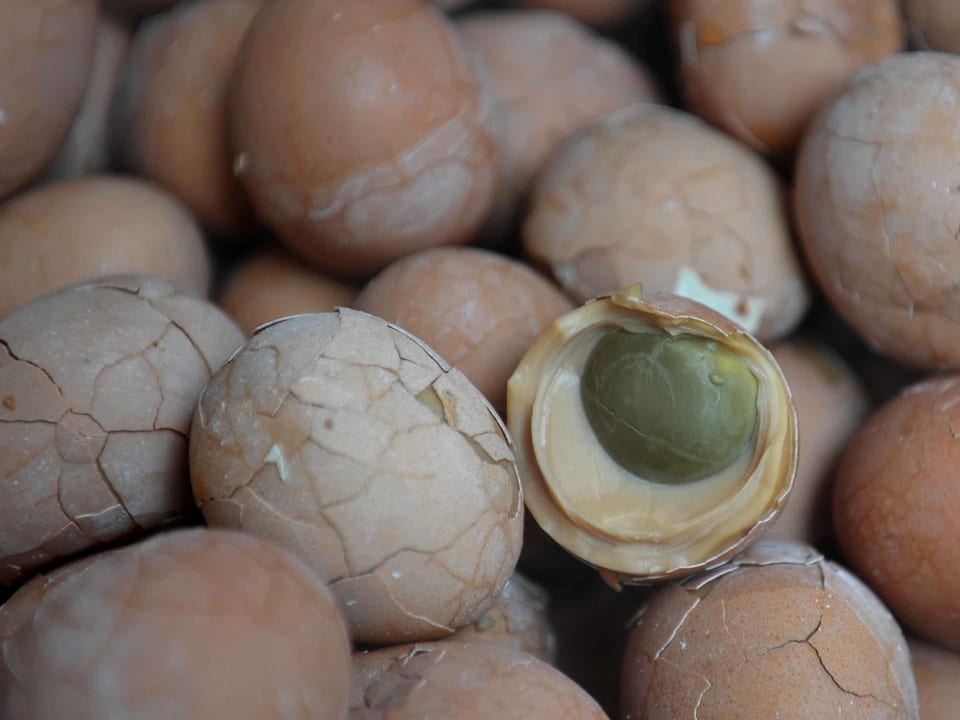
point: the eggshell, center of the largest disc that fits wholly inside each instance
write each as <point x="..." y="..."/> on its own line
<point x="549" y="76"/>
<point x="877" y="201"/>
<point x="936" y="671"/>
<point x="46" y="51"/>
<point x="894" y="507"/>
<point x="653" y="195"/>
<point x="358" y="130"/>
<point x="190" y="624"/>
<point x="88" y="147"/>
<point x="934" y="24"/>
<point x="349" y="442"/>
<point x="273" y="284"/>
<point x="95" y="226"/>
<point x="831" y="404"/>
<point x="173" y="109"/>
<point x="462" y="681"/>
<point x="98" y="384"/>
<point x="779" y="633"/>
<point x="479" y="310"/>
<point x="760" y="70"/>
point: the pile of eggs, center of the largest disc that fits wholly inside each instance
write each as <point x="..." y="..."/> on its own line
<point x="395" y="359"/>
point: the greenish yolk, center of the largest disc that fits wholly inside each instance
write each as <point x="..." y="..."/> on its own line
<point x="669" y="409"/>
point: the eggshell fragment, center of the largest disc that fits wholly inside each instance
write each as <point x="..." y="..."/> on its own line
<point x="549" y="76"/>
<point x="894" y="507"/>
<point x="760" y="70"/>
<point x="273" y="284"/>
<point x="190" y="624"/>
<point x="933" y="24"/>
<point x="461" y="681"/>
<point x="358" y="130"/>
<point x="831" y="404"/>
<point x="349" y="442"/>
<point x="936" y="671"/>
<point x="479" y="310"/>
<point x="98" y="384"/>
<point x="877" y="200"/>
<point x="173" y="108"/>
<point x="780" y="632"/>
<point x="95" y="226"/>
<point x="46" y="50"/>
<point x="655" y="196"/>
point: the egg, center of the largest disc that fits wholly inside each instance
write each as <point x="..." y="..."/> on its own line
<point x="479" y="310"/>
<point x="831" y="404"/>
<point x="877" y="200"/>
<point x="894" y="501"/>
<point x="549" y="76"/>
<point x="359" y="132"/>
<point x="760" y="70"/>
<point x="351" y="443"/>
<point x="172" y="111"/>
<point x="94" y="226"/>
<point x="189" y="624"/>
<point x="41" y="83"/>
<point x="936" y="671"/>
<point x="462" y="681"/>
<point x="98" y="384"/>
<point x="273" y="284"/>
<point x="592" y="12"/>
<point x="933" y="24"/>
<point x="778" y="633"/>
<point x="653" y="195"/>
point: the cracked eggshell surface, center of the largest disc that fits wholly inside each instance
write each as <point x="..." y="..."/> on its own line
<point x="352" y="444"/>
<point x="654" y="195"/>
<point x="877" y="199"/>
<point x="480" y="311"/>
<point x="462" y="681"/>
<point x="760" y="70"/>
<point x="95" y="226"/>
<point x="895" y="506"/>
<point x="358" y="130"/>
<point x="189" y="624"/>
<point x="780" y="632"/>
<point x="172" y="108"/>
<point x="41" y="83"/>
<point x="98" y="384"/>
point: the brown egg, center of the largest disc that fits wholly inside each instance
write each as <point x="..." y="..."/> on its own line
<point x="358" y="130"/>
<point x="272" y="285"/>
<point x="479" y="310"/>
<point x="655" y="196"/>
<point x="95" y="226"/>
<point x="936" y="671"/>
<point x="352" y="444"/>
<point x="778" y="633"/>
<point x="46" y="51"/>
<point x="517" y="619"/>
<point x="463" y="681"/>
<point x="760" y="70"/>
<point x="934" y="24"/>
<point x="894" y="507"/>
<point x="98" y="384"/>
<point x="831" y="404"/>
<point x="592" y="12"/>
<point x="548" y="76"/>
<point x="877" y="198"/>
<point x="88" y="147"/>
<point x="173" y="113"/>
<point x="189" y="624"/>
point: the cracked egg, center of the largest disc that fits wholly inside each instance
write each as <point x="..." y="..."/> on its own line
<point x="780" y="632"/>
<point x="351" y="443"/>
<point x="654" y="436"/>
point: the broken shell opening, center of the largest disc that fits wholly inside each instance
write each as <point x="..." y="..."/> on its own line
<point x="618" y="520"/>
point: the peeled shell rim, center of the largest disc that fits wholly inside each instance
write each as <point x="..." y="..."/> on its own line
<point x="635" y="562"/>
